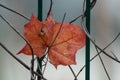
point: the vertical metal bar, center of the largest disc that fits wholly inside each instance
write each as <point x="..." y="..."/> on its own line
<point x="40" y="18"/>
<point x="40" y="10"/>
<point x="87" y="70"/>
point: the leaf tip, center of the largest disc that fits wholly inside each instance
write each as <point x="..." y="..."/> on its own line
<point x="21" y="51"/>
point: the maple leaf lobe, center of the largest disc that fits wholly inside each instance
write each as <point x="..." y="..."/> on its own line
<point x="31" y="33"/>
<point x="69" y="40"/>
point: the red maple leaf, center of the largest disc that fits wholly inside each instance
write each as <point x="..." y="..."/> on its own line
<point x="40" y="35"/>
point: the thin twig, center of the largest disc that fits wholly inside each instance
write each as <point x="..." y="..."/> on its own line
<point x="51" y="3"/>
<point x="75" y="19"/>
<point x="58" y="31"/>
<point x="32" y="61"/>
<point x="103" y="64"/>
<point x="14" y="12"/>
<point x="45" y="66"/>
<point x="44" y="60"/>
<point x="17" y="59"/>
<point x="43" y="39"/>
<point x="114" y="55"/>
<point x="99" y="52"/>
<point x="80" y="15"/>
<point x="52" y="42"/>
<point x="83" y="16"/>
<point x="107" y="45"/>
<point x="39" y="67"/>
<point x="88" y="35"/>
<point x="17" y="33"/>
<point x="93" y="3"/>
<point x="98" y="46"/>
<point x="91" y="7"/>
<point x="72" y="72"/>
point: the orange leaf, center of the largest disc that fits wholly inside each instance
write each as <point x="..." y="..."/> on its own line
<point x="41" y="34"/>
<point x="69" y="40"/>
<point x="34" y="33"/>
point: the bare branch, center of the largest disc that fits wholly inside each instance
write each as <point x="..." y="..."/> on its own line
<point x="75" y="19"/>
<point x="114" y="55"/>
<point x="98" y="46"/>
<point x="103" y="64"/>
<point x="72" y="72"/>
<point x="51" y="3"/>
<point x="45" y="66"/>
<point x="99" y="53"/>
<point x="14" y="12"/>
<point x="58" y="31"/>
<point x="17" y="59"/>
<point x="32" y="61"/>
<point x="91" y="6"/>
<point x="93" y="3"/>
<point x="52" y="42"/>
